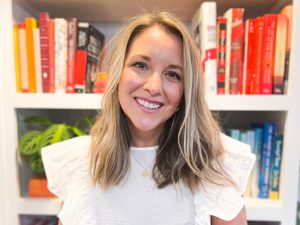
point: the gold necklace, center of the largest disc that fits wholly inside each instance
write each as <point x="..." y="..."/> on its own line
<point x="146" y="171"/>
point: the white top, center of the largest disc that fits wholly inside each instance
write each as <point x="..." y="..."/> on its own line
<point x="137" y="201"/>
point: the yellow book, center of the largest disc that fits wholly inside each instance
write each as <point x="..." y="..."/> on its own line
<point x="17" y="59"/>
<point x="30" y="25"/>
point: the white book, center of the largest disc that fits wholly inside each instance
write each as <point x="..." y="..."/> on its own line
<point x="23" y="59"/>
<point x="61" y="52"/>
<point x="204" y="32"/>
<point x="37" y="60"/>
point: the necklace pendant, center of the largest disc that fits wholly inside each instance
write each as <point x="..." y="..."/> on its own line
<point x="145" y="173"/>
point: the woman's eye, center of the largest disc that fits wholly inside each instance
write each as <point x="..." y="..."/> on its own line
<point x="173" y="75"/>
<point x="140" y="65"/>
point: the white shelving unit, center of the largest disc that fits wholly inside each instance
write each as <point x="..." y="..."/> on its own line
<point x="108" y="12"/>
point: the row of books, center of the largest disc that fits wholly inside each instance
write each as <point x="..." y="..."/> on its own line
<point x="243" y="56"/>
<point x="38" y="220"/>
<point x="56" y="55"/>
<point x="266" y="144"/>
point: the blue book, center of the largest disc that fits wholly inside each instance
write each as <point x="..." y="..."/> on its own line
<point x="276" y="165"/>
<point x="257" y="149"/>
<point x="235" y="134"/>
<point x="265" y="168"/>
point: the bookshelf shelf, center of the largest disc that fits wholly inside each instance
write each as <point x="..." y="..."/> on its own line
<point x="39" y="206"/>
<point x="264" y="209"/>
<point x="93" y="102"/>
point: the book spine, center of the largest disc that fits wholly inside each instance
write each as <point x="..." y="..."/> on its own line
<point x="204" y="27"/>
<point x="60" y="46"/>
<point x="265" y="171"/>
<point x="95" y="43"/>
<point x="72" y="43"/>
<point x="258" y="43"/>
<point x="249" y="57"/>
<point x="37" y="60"/>
<point x="23" y="57"/>
<point x="280" y="51"/>
<point x="288" y="12"/>
<point x="51" y="51"/>
<point x="267" y="65"/>
<point x="30" y="25"/>
<point x="18" y="77"/>
<point x="276" y="165"/>
<point x="81" y="57"/>
<point x="221" y="54"/>
<point x="44" y="42"/>
<point x="257" y="152"/>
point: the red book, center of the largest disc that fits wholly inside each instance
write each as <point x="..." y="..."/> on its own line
<point x="72" y="43"/>
<point x="258" y="37"/>
<point x="221" y="54"/>
<point x="268" y="46"/>
<point x="44" y="43"/>
<point x="51" y="40"/>
<point x="234" y="50"/>
<point x="79" y="80"/>
<point x="249" y="57"/>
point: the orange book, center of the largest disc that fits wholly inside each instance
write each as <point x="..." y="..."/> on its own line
<point x="30" y="25"/>
<point x="17" y="59"/>
<point x="38" y="187"/>
<point x="280" y="52"/>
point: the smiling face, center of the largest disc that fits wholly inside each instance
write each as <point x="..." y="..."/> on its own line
<point x="151" y="84"/>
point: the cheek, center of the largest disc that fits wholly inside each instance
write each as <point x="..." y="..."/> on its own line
<point x="175" y="94"/>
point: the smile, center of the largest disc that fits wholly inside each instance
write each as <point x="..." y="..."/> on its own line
<point x="147" y="104"/>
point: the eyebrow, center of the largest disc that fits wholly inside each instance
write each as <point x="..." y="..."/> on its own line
<point x="147" y="58"/>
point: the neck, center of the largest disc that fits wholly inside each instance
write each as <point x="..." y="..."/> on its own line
<point x="144" y="138"/>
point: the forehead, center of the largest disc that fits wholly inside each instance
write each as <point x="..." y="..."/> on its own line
<point x="156" y="39"/>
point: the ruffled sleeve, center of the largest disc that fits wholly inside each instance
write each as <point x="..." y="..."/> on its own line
<point x="226" y="202"/>
<point x="62" y="161"/>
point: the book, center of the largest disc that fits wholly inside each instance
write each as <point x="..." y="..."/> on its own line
<point x="60" y="53"/>
<point x="18" y="78"/>
<point x="90" y="42"/>
<point x="72" y="44"/>
<point x="234" y="50"/>
<point x="280" y="52"/>
<point x="51" y="55"/>
<point x="23" y="57"/>
<point x="276" y="166"/>
<point x="257" y="151"/>
<point x="288" y="12"/>
<point x="268" y="53"/>
<point x="257" y="54"/>
<point x="30" y="25"/>
<point x="37" y="60"/>
<point x="221" y="54"/>
<point x="248" y="68"/>
<point x="44" y="46"/>
<point x="204" y="33"/>
<point x="265" y="168"/>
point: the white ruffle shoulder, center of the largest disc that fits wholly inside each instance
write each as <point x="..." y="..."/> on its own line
<point x="67" y="169"/>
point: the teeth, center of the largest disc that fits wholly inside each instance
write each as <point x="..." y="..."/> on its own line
<point x="148" y="105"/>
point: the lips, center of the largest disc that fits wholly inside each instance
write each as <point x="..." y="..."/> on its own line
<point x="152" y="105"/>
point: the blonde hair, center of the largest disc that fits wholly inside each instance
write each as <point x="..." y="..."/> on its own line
<point x="190" y="146"/>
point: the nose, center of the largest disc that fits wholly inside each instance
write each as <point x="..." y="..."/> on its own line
<point x="153" y="84"/>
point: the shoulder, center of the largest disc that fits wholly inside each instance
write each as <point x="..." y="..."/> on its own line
<point x="226" y="202"/>
<point x="63" y="160"/>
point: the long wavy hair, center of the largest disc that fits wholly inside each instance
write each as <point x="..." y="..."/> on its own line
<point x="190" y="146"/>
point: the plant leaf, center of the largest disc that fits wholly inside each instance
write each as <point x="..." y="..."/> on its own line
<point x="77" y="131"/>
<point x="37" y="120"/>
<point x="29" y="143"/>
<point x="55" y="133"/>
<point x="36" y="163"/>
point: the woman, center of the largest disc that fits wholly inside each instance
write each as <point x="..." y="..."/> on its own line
<point x="156" y="155"/>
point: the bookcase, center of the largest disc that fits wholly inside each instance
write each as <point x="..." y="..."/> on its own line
<point x="284" y="109"/>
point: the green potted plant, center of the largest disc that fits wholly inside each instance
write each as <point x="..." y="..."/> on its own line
<point x="41" y="133"/>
